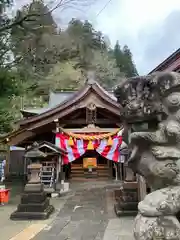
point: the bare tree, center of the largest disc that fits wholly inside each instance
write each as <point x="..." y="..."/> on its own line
<point x="52" y="6"/>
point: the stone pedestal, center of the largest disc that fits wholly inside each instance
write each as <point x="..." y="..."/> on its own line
<point x="34" y="203"/>
<point x="126" y="200"/>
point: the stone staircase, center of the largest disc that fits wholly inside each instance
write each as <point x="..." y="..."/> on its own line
<point x="79" y="173"/>
<point x="103" y="172"/>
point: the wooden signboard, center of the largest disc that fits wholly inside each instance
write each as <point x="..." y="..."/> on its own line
<point x="89" y="162"/>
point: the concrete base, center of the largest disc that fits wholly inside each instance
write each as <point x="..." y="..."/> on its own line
<point x="32" y="215"/>
<point x="34" y="204"/>
<point x="64" y="187"/>
<point x="49" y="190"/>
<point x="2" y="186"/>
<point x="54" y="195"/>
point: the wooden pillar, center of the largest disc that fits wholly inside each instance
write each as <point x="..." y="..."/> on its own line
<point x="110" y="169"/>
<point x="121" y="166"/>
<point x="58" y="168"/>
<point x="7" y="162"/>
<point x="119" y="170"/>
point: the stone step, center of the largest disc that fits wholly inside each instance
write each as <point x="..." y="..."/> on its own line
<point x="83" y="179"/>
<point x="77" y="171"/>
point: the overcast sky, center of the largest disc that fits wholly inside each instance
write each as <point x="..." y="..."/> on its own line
<point x="148" y="27"/>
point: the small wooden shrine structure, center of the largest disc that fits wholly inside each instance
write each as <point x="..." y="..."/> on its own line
<point x="50" y="160"/>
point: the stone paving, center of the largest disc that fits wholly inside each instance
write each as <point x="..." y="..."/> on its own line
<point x="119" y="229"/>
<point x="10" y="229"/>
<point x="88" y="215"/>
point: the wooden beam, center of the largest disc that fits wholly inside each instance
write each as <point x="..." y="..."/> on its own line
<point x="19" y="138"/>
<point x="82" y="121"/>
<point x="80" y="130"/>
<point x="111" y="116"/>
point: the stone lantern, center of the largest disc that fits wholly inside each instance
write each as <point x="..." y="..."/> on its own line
<point x="34" y="201"/>
<point x="34" y="170"/>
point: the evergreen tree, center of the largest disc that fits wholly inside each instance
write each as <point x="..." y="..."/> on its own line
<point x="119" y="57"/>
<point x="64" y="76"/>
<point x="124" y="60"/>
<point x="108" y="74"/>
<point x="129" y="67"/>
<point x="9" y="81"/>
<point x="85" y="40"/>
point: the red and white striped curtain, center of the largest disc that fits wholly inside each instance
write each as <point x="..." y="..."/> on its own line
<point x="80" y="146"/>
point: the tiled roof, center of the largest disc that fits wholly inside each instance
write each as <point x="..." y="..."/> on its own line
<point x="56" y="98"/>
<point x="35" y="110"/>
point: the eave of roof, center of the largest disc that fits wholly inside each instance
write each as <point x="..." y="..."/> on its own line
<point x="34" y="111"/>
<point x="15" y="148"/>
<point x="166" y="61"/>
<point x="55" y="98"/>
<point x="52" y="147"/>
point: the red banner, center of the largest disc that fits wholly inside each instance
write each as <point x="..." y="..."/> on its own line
<point x="80" y="146"/>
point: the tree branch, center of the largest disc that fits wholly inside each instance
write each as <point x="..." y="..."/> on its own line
<point x="61" y="3"/>
<point x="29" y="16"/>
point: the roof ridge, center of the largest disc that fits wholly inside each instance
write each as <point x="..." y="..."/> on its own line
<point x="166" y="60"/>
<point x="63" y="91"/>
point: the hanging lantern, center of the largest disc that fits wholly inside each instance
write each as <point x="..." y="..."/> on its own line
<point x="110" y="141"/>
<point x="90" y="146"/>
<point x="70" y="141"/>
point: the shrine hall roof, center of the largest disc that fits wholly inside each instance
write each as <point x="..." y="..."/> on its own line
<point x="65" y="100"/>
<point x="56" y="98"/>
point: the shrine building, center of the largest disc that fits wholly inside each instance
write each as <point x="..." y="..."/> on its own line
<point x="172" y="63"/>
<point x="82" y="132"/>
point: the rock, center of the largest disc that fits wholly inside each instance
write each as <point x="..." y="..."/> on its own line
<point x="156" y="228"/>
<point x="165" y="201"/>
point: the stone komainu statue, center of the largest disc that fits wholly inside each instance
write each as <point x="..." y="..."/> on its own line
<point x="155" y="153"/>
